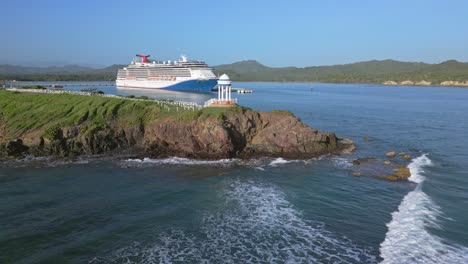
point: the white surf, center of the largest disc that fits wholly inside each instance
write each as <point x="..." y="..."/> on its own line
<point x="259" y="225"/>
<point x="408" y="239"/>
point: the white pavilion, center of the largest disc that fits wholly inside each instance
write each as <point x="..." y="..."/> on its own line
<point x="224" y="94"/>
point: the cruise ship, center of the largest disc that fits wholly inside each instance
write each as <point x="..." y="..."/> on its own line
<point x="181" y="75"/>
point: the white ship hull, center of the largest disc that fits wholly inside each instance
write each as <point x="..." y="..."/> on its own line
<point x="178" y="85"/>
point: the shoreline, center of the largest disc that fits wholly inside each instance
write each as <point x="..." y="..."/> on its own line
<point x="362" y="83"/>
<point x="401" y="84"/>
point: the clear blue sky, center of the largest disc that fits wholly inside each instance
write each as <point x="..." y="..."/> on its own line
<point x="276" y="33"/>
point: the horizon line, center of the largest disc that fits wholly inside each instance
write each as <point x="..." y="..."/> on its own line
<point x="87" y="65"/>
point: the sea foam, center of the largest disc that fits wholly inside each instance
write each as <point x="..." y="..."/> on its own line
<point x="258" y="225"/>
<point x="407" y="239"/>
<point x="280" y="161"/>
<point x="184" y="161"/>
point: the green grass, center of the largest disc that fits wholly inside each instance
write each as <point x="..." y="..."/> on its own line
<point x="47" y="113"/>
<point x="29" y="111"/>
<point x="215" y="112"/>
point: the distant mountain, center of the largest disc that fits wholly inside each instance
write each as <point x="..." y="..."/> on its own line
<point x="361" y="72"/>
<point x="64" y="73"/>
<point x="13" y="69"/>
<point x="250" y="70"/>
<point x="111" y="69"/>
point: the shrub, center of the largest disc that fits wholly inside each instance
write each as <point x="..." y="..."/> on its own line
<point x="282" y="112"/>
<point x="53" y="133"/>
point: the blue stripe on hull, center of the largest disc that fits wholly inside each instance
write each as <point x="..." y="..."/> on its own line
<point x="194" y="86"/>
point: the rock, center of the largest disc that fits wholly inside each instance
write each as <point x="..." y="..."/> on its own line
<point x="369" y="139"/>
<point x="391" y="177"/>
<point x="390" y="83"/>
<point x="407" y="157"/>
<point x="423" y="83"/>
<point x="356" y="174"/>
<point x="387" y="162"/>
<point x="240" y="134"/>
<point x="454" y="83"/>
<point x="358" y="161"/>
<point x="407" y="83"/>
<point x="402" y="173"/>
<point x="391" y="154"/>
<point x="401" y="154"/>
<point x="15" y="148"/>
<point x="350" y="146"/>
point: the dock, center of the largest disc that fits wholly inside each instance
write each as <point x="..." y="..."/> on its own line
<point x="236" y="90"/>
<point x="242" y="90"/>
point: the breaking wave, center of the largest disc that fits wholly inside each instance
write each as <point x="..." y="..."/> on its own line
<point x="258" y="225"/>
<point x="279" y="161"/>
<point x="257" y="163"/>
<point x="184" y="161"/>
<point x="342" y="162"/>
<point x="407" y="239"/>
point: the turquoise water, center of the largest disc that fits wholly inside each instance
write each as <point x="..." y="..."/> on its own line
<point x="259" y="211"/>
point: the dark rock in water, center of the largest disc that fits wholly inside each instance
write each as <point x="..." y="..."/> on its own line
<point x="407" y="157"/>
<point x="388" y="177"/>
<point x="400" y="173"/>
<point x="15" y="148"/>
<point x="358" y="161"/>
<point x="369" y="139"/>
<point x="356" y="174"/>
<point x="389" y="170"/>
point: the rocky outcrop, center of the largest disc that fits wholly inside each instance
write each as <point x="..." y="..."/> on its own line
<point x="427" y="83"/>
<point x="400" y="173"/>
<point x="407" y="83"/>
<point x="242" y="134"/>
<point x="390" y="83"/>
<point x="454" y="83"/>
<point x="423" y="83"/>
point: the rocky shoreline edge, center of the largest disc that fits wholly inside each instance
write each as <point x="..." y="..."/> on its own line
<point x="111" y="126"/>
<point x="427" y="83"/>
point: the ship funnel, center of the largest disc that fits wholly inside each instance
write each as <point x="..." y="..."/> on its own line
<point x="144" y="58"/>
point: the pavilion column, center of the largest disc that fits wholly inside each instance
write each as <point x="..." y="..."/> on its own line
<point x="219" y="92"/>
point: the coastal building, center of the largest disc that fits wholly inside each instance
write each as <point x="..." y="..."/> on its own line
<point x="224" y="94"/>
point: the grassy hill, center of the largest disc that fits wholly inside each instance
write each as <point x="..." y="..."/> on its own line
<point x="92" y="113"/>
<point x="360" y="72"/>
<point x="65" y="73"/>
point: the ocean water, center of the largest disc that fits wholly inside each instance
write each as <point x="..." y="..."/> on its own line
<point x="264" y="210"/>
